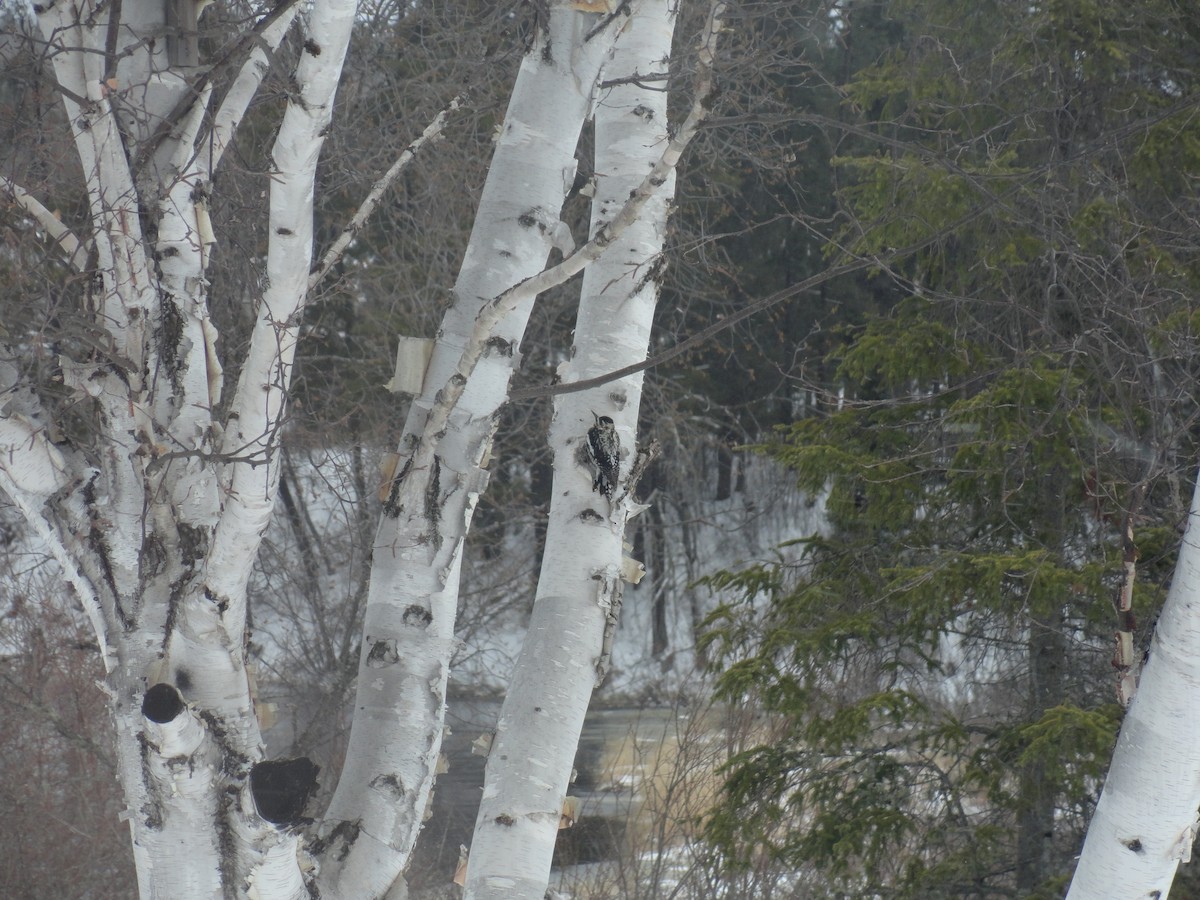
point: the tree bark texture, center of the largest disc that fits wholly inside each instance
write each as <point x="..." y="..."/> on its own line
<point x="157" y="521"/>
<point x="580" y="587"/>
<point x="376" y="812"/>
<point x="1146" y="820"/>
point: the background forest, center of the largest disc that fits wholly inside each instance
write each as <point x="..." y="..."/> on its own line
<point x="940" y="416"/>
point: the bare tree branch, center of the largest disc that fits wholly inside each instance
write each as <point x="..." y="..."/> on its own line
<point x="74" y="250"/>
<point x="432" y="132"/>
<point x="233" y="105"/>
<point x="101" y="615"/>
<point x="268" y="30"/>
<point x="574" y="263"/>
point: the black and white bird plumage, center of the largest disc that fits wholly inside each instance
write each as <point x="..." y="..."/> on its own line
<point x="604" y="453"/>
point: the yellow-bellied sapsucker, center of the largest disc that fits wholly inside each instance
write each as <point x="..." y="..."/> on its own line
<point x="604" y="453"/>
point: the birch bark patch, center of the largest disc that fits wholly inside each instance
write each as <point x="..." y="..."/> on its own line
<point x="460" y="871"/>
<point x="387" y="472"/>
<point x="412" y="359"/>
<point x="482" y="745"/>
<point x="570" y="813"/>
<point x="632" y="571"/>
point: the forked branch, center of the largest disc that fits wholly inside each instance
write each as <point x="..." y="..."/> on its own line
<point x="496" y="309"/>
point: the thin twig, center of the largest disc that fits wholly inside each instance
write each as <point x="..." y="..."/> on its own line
<point x="622" y="9"/>
<point x="354" y="226"/>
<point x="1016" y="181"/>
<point x="641" y="81"/>
<point x="879" y="261"/>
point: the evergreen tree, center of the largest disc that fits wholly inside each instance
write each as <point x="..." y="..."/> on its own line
<point x="942" y="653"/>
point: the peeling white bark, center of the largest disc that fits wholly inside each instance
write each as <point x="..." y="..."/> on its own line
<point x="181" y="765"/>
<point x="408" y="635"/>
<point x="1146" y="821"/>
<point x="157" y="523"/>
<point x="273" y="870"/>
<point x="278" y="877"/>
<point x="163" y="580"/>
<point x="32" y="464"/>
<point x="579" y="589"/>
<point x="124" y="297"/>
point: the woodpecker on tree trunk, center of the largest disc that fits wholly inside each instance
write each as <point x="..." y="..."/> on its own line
<point x="604" y="453"/>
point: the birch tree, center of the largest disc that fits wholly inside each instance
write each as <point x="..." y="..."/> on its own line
<point x="156" y="521"/>
<point x="579" y="591"/>
<point x="440" y="466"/>
<point x="156" y="512"/>
<point x="1146" y="821"/>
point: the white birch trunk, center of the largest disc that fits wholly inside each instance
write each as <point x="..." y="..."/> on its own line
<point x="184" y="762"/>
<point x="157" y="553"/>
<point x="579" y="590"/>
<point x="408" y="633"/>
<point x="1146" y="821"/>
<point x="157" y="523"/>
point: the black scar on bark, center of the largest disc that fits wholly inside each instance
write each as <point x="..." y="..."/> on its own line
<point x="383" y="652"/>
<point x="282" y="787"/>
<point x="344" y="833"/>
<point x="417" y="616"/>
<point x="162" y="703"/>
